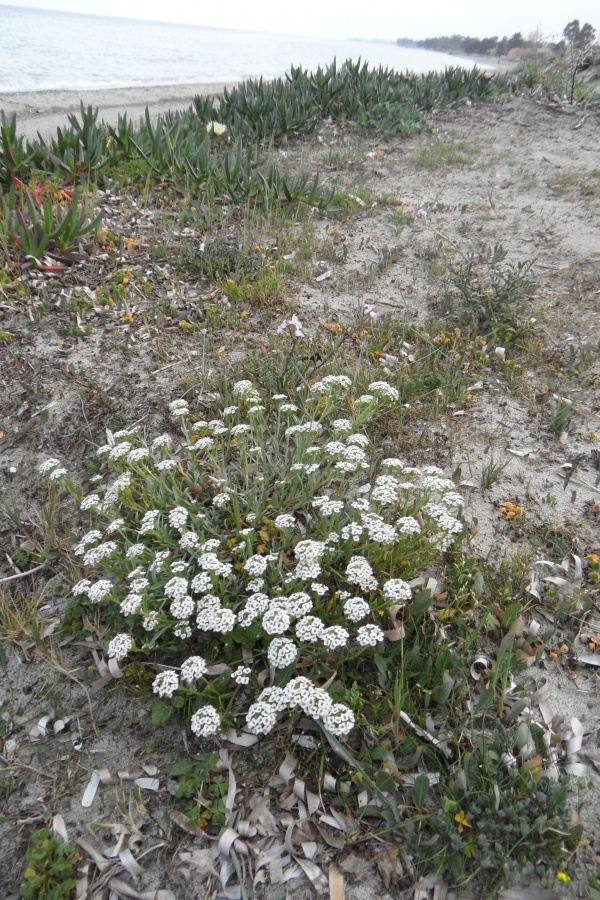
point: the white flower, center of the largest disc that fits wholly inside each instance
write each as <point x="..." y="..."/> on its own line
<point x="92" y="501"/>
<point x="150" y="622"/>
<point x="352" y="530"/>
<point x="361" y="439"/>
<point x="216" y="128"/>
<point x="318" y="588"/>
<point x="159" y="561"/>
<point x="220" y="500"/>
<point x="204" y="443"/>
<point x="82" y="587"/>
<point x="240" y="429"/>
<point x="369" y="635"/>
<point x="408" y="525"/>
<point x="306" y="428"/>
<point x="114" y="525"/>
<point x="189" y="540"/>
<point x="178" y="408"/>
<point x="205" y="721"/>
<point x="241" y="675"/>
<point x="282" y="652"/>
<point x="392" y="462"/>
<point x="274" y="696"/>
<point x="359" y="571"/>
<point x="276" y="620"/>
<point x="92" y="537"/>
<point x="163" y="440"/>
<point x="383" y="389"/>
<point x="120" y="646"/>
<point x="183" y="630"/>
<point x="339" y="720"/>
<point x="261" y="718"/>
<point x="135" y="573"/>
<point x="335" y="636"/>
<point x="285" y="521"/>
<point x="297" y="691"/>
<point x="166" y="465"/>
<point x="256" y="565"/>
<point x="137" y="454"/>
<point x="379" y="530"/>
<point x="201" y="583"/>
<point x="131" y="603"/>
<point x="178" y="517"/>
<point x="165" y="684"/>
<point x="317" y="703"/>
<point x="57" y="473"/>
<point x="138" y="584"/>
<point x="176" y="588"/>
<point x="210" y="545"/>
<point x="341" y="425"/>
<point x="94" y="556"/>
<point x="224" y="621"/>
<point x="178" y="566"/>
<point x="230" y="410"/>
<point x="365" y="398"/>
<point x="135" y="550"/>
<point x="194" y="667"/>
<point x="331" y="381"/>
<point x="356" y="609"/>
<point x="309" y="629"/>
<point x="396" y="589"/>
<point x="297" y="604"/>
<point x="48" y="465"/>
<point x="120" y="450"/>
<point x="99" y="591"/>
<point x="182" y="607"/>
<point x="210" y="562"/>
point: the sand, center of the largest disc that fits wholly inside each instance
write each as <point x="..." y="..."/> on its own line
<point x="45" y="111"/>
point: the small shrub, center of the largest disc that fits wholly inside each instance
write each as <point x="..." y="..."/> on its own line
<point x="271" y="538"/>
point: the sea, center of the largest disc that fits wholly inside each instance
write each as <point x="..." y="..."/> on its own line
<point x="44" y="50"/>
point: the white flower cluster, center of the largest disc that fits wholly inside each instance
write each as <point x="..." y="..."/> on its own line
<point x="226" y="567"/>
<point x="299" y="692"/>
<point x="330" y="383"/>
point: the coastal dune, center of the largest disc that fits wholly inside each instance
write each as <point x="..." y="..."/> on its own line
<point x="44" y="111"/>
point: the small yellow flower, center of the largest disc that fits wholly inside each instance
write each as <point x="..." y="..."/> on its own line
<point x="462" y="820"/>
<point x="562" y="876"/>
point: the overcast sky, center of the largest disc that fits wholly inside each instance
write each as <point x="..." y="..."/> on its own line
<point x="388" y="19"/>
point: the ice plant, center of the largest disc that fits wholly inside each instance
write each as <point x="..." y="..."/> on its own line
<point x="287" y="553"/>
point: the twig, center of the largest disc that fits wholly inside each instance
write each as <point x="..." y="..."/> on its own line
<point x="23" y="574"/>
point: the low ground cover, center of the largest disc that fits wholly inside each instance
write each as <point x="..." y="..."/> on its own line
<point x="279" y="560"/>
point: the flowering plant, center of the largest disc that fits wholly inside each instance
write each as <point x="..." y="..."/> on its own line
<point x="251" y="558"/>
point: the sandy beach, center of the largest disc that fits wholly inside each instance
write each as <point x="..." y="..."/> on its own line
<point x="45" y="111"/>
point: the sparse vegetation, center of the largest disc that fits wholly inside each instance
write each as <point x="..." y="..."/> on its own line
<point x="415" y="724"/>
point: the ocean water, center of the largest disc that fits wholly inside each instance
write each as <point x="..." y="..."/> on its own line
<point x="42" y="50"/>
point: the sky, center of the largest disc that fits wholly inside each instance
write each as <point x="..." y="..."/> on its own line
<point x="386" y="19"/>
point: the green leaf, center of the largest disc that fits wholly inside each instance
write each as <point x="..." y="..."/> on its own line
<point x="486" y="700"/>
<point x="181" y="768"/>
<point x="420" y="789"/>
<point x="161" y="713"/>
